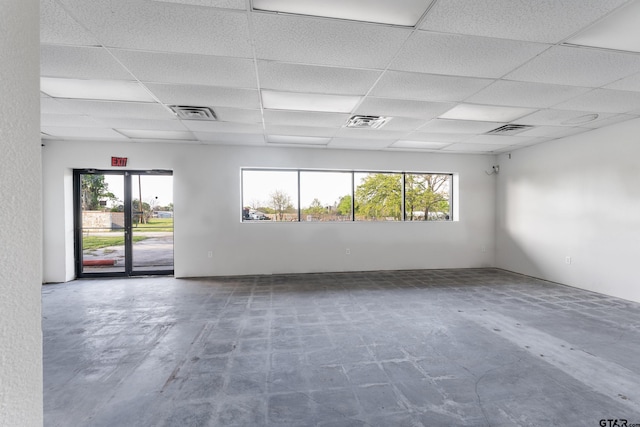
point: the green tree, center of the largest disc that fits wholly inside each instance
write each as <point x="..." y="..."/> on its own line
<point x="315" y="208"/>
<point x="280" y="202"/>
<point x="94" y="189"/>
<point x="380" y="196"/>
<point x="344" y="206"/>
<point x="141" y="214"/>
<point x="426" y="193"/>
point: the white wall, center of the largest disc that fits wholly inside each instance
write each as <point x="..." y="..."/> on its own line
<point x="578" y="197"/>
<point x="20" y="216"/>
<point x="207" y="212"/>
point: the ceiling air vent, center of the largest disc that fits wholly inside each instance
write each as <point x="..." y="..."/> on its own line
<point x="509" y="130"/>
<point x="194" y="113"/>
<point x="373" y="122"/>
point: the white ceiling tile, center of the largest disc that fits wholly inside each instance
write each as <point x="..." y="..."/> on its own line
<point x="499" y="139"/>
<point x="230" y="138"/>
<point x="326" y="42"/>
<point x="309" y="101"/>
<point x="298" y="140"/>
<point x="419" y="145"/>
<point x="576" y="66"/>
<point x="56" y="26"/>
<point x="192" y="69"/>
<point x="553" y="131"/>
<point x="205" y="96"/>
<point x="300" y="130"/>
<point x="399" y="12"/>
<point x="628" y="83"/>
<point x="222" y="127"/>
<point x="129" y="110"/>
<point x="618" y="31"/>
<point x="474" y="148"/>
<point x="427" y="87"/>
<point x="438" y="137"/>
<point x="305" y="118"/>
<point x="552" y="117"/>
<point x="80" y="63"/>
<point x="372" y="106"/>
<point x="547" y="21"/>
<point x="145" y="124"/>
<point x="403" y="124"/>
<point x="534" y="141"/>
<point x="608" y="119"/>
<point x="485" y="113"/>
<point x="605" y="100"/>
<point x="360" y="144"/>
<point x="525" y="94"/>
<point x="55" y="106"/>
<point x="78" y="132"/>
<point x="223" y="4"/>
<point x="315" y="79"/>
<point x="459" y="126"/>
<point x="370" y="134"/>
<point x="157" y="134"/>
<point x="70" y="120"/>
<point x="238" y="115"/>
<point x="463" y="55"/>
<point x="165" y="27"/>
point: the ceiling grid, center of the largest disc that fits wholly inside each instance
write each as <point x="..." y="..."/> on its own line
<point x="440" y="74"/>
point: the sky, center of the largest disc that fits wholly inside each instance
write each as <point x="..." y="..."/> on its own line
<point x="152" y="186"/>
<point x="328" y="187"/>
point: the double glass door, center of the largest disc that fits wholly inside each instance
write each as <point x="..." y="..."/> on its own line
<point x="123" y="222"/>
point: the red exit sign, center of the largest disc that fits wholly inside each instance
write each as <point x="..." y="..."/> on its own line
<point x="119" y="161"/>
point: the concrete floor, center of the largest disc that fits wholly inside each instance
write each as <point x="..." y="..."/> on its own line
<point x="478" y="347"/>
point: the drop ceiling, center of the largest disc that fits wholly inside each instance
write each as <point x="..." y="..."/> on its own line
<point x="443" y="73"/>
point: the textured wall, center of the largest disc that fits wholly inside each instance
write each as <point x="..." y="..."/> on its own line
<point x="20" y="215"/>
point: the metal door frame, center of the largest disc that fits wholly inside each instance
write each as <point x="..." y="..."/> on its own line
<point x="128" y="223"/>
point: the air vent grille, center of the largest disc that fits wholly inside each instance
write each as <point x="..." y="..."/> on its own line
<point x="373" y="122"/>
<point x="194" y="113"/>
<point x="509" y="129"/>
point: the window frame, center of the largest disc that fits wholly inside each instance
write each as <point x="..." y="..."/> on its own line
<point x="451" y="200"/>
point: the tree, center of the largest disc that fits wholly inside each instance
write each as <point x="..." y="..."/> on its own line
<point x="94" y="189"/>
<point x="280" y="202"/>
<point x="344" y="206"/>
<point x="380" y="196"/>
<point x="167" y="208"/>
<point x="141" y="215"/>
<point x="427" y="193"/>
<point x="315" y="208"/>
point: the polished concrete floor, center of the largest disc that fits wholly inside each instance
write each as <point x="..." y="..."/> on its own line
<point x="477" y="347"/>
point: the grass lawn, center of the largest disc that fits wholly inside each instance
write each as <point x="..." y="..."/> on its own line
<point x="97" y="242"/>
<point x="155" y="224"/>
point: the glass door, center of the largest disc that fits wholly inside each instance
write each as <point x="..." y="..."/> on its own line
<point x="101" y="224"/>
<point x="152" y="223"/>
<point x="123" y="222"/>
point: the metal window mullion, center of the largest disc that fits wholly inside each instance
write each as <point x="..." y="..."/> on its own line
<point x="353" y="196"/>
<point x="299" y="210"/>
<point x="450" y="197"/>
<point x="403" y="198"/>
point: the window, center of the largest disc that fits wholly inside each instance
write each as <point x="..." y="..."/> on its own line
<point x="325" y="196"/>
<point x="426" y="197"/>
<point x="331" y="196"/>
<point x="269" y="195"/>
<point x="378" y="196"/>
